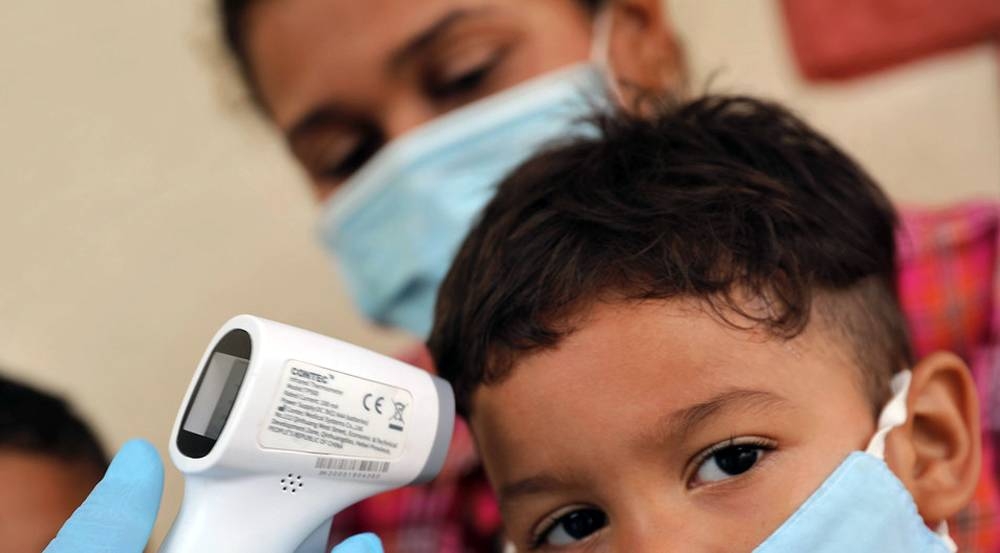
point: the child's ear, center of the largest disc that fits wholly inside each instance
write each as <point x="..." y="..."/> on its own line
<point x="645" y="52"/>
<point x="937" y="452"/>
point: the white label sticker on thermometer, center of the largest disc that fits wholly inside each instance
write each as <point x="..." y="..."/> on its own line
<point x="326" y="412"/>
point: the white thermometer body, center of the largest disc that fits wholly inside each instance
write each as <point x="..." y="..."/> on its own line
<point x="282" y="428"/>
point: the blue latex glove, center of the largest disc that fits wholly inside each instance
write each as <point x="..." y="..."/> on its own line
<point x="118" y="515"/>
<point x="362" y="543"/>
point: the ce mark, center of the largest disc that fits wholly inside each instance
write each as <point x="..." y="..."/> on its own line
<point x="368" y="404"/>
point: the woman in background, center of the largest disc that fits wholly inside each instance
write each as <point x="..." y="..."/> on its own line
<point x="404" y="116"/>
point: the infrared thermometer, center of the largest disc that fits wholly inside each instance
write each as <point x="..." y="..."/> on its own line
<point x="282" y="428"/>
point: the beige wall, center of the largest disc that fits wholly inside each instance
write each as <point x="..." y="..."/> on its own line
<point x="140" y="209"/>
<point x="928" y="131"/>
<point x="139" y="212"/>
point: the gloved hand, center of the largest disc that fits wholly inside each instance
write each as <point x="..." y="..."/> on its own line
<point x="362" y="543"/>
<point x="118" y="515"/>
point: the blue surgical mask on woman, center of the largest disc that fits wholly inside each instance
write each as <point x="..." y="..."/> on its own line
<point x="395" y="226"/>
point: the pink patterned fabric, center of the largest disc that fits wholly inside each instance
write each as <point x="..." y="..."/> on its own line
<point x="950" y="289"/>
<point x="949" y="283"/>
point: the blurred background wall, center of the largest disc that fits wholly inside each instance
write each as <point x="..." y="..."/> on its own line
<point x="144" y="204"/>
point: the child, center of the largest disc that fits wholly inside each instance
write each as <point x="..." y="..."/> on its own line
<point x="682" y="334"/>
<point x="49" y="461"/>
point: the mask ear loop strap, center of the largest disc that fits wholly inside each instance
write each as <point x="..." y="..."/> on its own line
<point x="893" y="416"/>
<point x="600" y="42"/>
<point x="600" y="50"/>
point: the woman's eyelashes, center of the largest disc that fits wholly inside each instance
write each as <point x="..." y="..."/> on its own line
<point x="334" y="159"/>
<point x="570" y="528"/>
<point x="358" y="156"/>
<point x="728" y="460"/>
<point x="335" y="156"/>
<point x="466" y="79"/>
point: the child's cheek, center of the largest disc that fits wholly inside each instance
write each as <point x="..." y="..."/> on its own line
<point x="756" y="504"/>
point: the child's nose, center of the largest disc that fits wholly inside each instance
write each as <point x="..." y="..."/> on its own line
<point x="658" y="529"/>
<point x="672" y="542"/>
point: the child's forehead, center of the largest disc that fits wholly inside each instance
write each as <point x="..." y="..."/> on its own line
<point x="685" y="342"/>
<point x="651" y="385"/>
<point x="641" y="361"/>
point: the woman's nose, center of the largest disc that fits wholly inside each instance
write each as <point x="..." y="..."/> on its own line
<point x="405" y="112"/>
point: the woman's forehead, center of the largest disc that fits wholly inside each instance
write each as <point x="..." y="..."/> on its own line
<point x="300" y="50"/>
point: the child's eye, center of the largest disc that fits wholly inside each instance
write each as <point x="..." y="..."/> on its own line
<point x="728" y="460"/>
<point x="571" y="528"/>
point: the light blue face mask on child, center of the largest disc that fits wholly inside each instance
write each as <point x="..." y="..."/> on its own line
<point x="862" y="507"/>
<point x="395" y="226"/>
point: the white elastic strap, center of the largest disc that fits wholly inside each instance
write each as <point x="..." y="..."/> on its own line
<point x="894" y="415"/>
<point x="600" y="51"/>
<point x="600" y="42"/>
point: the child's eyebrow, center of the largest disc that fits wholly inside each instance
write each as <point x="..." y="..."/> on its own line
<point x="672" y="428"/>
<point x="675" y="426"/>
<point x="534" y="485"/>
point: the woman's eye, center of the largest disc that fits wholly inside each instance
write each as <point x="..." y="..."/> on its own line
<point x="340" y="165"/>
<point x="331" y="153"/>
<point x="465" y="82"/>
<point x="729" y="461"/>
<point x="572" y="528"/>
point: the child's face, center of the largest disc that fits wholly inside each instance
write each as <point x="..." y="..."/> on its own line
<point x="655" y="425"/>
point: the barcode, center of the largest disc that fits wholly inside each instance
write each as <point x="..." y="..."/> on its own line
<point x="352" y="465"/>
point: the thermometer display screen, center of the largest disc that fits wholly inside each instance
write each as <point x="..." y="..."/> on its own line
<point x="216" y="395"/>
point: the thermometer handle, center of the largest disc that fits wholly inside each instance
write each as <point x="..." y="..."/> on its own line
<point x="242" y="515"/>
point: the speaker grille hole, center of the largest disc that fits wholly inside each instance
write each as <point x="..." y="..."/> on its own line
<point x="292" y="483"/>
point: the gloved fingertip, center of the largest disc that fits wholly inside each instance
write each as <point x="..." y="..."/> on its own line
<point x="119" y="513"/>
<point x="136" y="459"/>
<point x="362" y="543"/>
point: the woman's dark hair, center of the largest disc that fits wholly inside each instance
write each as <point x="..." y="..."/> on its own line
<point x="231" y="16"/>
<point x="732" y="201"/>
<point x="233" y="12"/>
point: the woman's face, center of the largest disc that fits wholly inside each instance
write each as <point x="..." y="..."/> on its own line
<point x="341" y="78"/>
